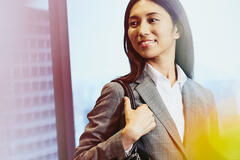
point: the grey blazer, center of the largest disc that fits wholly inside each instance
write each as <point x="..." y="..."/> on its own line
<point x="101" y="139"/>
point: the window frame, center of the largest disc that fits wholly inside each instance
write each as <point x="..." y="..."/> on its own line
<point x="62" y="78"/>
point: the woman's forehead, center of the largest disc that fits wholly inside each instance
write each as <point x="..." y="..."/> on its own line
<point x="144" y="7"/>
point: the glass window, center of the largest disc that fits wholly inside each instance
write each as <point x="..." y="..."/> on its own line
<point x="27" y="117"/>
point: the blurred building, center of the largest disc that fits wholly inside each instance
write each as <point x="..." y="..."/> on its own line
<point x="27" y="122"/>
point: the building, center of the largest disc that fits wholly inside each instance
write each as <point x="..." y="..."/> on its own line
<point x="28" y="122"/>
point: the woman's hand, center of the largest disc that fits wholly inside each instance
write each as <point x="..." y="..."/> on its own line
<point x="138" y="123"/>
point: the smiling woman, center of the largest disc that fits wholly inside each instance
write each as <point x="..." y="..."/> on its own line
<point x="184" y="46"/>
<point x="174" y="113"/>
<point x="153" y="35"/>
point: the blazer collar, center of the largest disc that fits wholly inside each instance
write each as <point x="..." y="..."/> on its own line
<point x="147" y="90"/>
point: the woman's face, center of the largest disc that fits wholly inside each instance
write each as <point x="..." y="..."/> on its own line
<point x="151" y="30"/>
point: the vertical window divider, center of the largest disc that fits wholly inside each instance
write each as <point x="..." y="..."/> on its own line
<point x="62" y="78"/>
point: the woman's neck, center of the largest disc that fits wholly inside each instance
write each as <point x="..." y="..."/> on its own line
<point x="166" y="67"/>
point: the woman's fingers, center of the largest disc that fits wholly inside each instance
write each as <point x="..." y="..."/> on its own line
<point x="140" y="121"/>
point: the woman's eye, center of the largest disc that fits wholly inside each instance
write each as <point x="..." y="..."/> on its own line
<point x="133" y="24"/>
<point x="152" y="20"/>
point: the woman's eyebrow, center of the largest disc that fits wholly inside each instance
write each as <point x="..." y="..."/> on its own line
<point x="148" y="14"/>
<point x="151" y="13"/>
<point x="133" y="17"/>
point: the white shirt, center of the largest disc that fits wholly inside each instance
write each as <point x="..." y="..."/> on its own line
<point x="171" y="95"/>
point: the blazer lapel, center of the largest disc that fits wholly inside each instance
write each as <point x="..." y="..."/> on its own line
<point x="148" y="91"/>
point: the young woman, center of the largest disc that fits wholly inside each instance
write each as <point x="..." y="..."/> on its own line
<point x="174" y="112"/>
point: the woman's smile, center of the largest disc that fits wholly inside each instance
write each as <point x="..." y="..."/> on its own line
<point x="147" y="43"/>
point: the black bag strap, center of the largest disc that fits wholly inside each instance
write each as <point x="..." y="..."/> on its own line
<point x="137" y="153"/>
<point x="127" y="92"/>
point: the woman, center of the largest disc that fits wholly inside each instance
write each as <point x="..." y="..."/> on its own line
<point x="174" y="113"/>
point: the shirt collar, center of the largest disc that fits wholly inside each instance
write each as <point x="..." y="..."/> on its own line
<point x="157" y="77"/>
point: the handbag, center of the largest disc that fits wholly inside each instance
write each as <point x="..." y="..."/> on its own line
<point x="137" y="152"/>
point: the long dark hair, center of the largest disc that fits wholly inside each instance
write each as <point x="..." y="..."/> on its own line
<point x="184" y="54"/>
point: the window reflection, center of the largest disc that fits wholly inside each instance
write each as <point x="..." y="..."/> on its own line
<point x="27" y="118"/>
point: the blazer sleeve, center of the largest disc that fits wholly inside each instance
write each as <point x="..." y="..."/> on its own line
<point x="102" y="139"/>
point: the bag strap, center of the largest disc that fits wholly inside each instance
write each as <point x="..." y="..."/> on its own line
<point x="136" y="153"/>
<point x="127" y="92"/>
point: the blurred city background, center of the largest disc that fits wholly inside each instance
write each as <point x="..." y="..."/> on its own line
<point x="27" y="116"/>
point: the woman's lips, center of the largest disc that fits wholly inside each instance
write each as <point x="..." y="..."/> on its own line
<point x="147" y="43"/>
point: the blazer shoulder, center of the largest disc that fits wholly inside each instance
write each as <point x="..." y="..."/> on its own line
<point x="111" y="96"/>
<point x="198" y="87"/>
<point x="112" y="90"/>
<point x="203" y="93"/>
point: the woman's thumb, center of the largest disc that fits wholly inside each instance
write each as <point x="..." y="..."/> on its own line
<point x="127" y="105"/>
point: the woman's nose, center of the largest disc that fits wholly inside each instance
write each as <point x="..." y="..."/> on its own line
<point x="143" y="29"/>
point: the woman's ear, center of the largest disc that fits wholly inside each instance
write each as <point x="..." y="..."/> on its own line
<point x="176" y="32"/>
